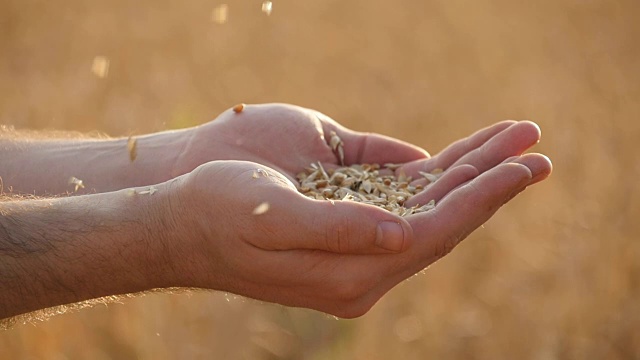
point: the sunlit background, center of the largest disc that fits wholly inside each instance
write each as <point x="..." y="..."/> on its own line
<point x="555" y="275"/>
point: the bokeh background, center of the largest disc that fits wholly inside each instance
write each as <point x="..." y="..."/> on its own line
<point x="555" y="275"/>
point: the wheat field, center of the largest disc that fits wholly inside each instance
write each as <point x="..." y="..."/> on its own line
<point x="554" y="275"/>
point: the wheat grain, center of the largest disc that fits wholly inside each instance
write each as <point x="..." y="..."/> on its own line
<point x="238" y="108"/>
<point x="364" y="183"/>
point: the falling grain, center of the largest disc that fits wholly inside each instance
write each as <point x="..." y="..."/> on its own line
<point x="238" y="108"/>
<point x="267" y="7"/>
<point x="100" y="66"/>
<point x="261" y="209"/>
<point x="220" y="14"/>
<point x="337" y="146"/>
<point x="132" y="146"/>
<point x="76" y="182"/>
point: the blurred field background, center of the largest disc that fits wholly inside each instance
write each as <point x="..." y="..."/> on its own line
<point x="555" y="275"/>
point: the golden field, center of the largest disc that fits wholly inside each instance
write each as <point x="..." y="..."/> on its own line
<point x="554" y="275"/>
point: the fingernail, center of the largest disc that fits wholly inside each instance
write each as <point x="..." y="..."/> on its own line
<point x="390" y="236"/>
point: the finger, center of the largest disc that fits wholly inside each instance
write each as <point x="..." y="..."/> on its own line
<point x="449" y="181"/>
<point x="392" y="270"/>
<point x="297" y="222"/>
<point x="540" y="167"/>
<point x="468" y="207"/>
<point x="510" y="142"/>
<point x="361" y="148"/>
<point x="455" y="151"/>
<point x="539" y="164"/>
<point x="452" y="153"/>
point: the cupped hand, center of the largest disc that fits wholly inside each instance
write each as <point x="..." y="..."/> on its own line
<point x="241" y="227"/>
<point x="234" y="220"/>
<point x="289" y="138"/>
<point x="251" y="233"/>
<point x="286" y="138"/>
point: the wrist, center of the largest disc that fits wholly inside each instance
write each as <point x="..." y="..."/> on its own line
<point x="199" y="145"/>
<point x="188" y="233"/>
<point x="167" y="232"/>
<point x="101" y="165"/>
<point x="157" y="157"/>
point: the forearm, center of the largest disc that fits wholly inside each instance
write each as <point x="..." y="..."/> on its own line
<point x="44" y="166"/>
<point x="60" y="251"/>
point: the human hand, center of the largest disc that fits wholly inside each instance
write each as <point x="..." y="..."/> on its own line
<point x="303" y="252"/>
<point x="289" y="138"/>
<point x="210" y="228"/>
<point x="286" y="138"/>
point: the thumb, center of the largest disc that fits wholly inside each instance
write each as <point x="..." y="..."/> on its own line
<point x="337" y="226"/>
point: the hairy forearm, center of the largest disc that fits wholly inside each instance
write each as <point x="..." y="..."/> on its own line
<point x="65" y="250"/>
<point x="30" y="164"/>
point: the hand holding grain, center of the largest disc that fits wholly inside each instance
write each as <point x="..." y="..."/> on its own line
<point x="251" y="232"/>
<point x="226" y="211"/>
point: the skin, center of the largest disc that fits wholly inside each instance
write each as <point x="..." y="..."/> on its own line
<point x="198" y="228"/>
